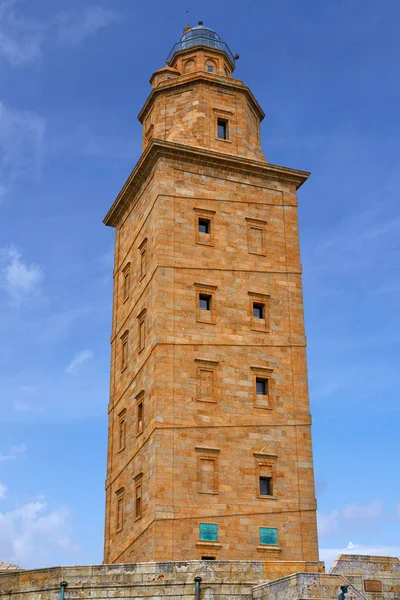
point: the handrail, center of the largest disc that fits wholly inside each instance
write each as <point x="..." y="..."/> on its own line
<point x="201" y="40"/>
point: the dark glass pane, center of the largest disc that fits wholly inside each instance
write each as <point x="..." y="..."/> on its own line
<point x="258" y="310"/>
<point x="205" y="302"/>
<point x="261" y="386"/>
<point x="204" y="225"/>
<point x="265" y="486"/>
<point x="222" y="129"/>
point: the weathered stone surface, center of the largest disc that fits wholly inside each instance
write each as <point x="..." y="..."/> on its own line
<point x="205" y="436"/>
<point x="376" y="576"/>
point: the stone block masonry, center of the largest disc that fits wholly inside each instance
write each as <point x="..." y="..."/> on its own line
<point x="209" y="450"/>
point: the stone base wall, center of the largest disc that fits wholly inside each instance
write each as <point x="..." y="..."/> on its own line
<point x="375" y="576"/>
<point x="220" y="580"/>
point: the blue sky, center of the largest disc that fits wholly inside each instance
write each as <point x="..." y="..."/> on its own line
<point x="73" y="76"/>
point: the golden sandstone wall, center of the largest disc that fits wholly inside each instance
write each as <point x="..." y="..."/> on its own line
<point x="227" y="427"/>
<point x="209" y="398"/>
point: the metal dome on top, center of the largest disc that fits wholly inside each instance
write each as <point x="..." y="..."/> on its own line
<point x="200" y="35"/>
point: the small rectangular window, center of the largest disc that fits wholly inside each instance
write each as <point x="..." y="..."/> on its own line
<point x="265" y="486"/>
<point x="208" y="558"/>
<point x="142" y="330"/>
<point x="124" y="351"/>
<point x="204" y="226"/>
<point x="120" y="509"/>
<point x="210" y="68"/>
<point x="258" y="310"/>
<point x="143" y="259"/>
<point x="222" y="129"/>
<point x="205" y="301"/>
<point x="139" y="414"/>
<point x="121" y="430"/>
<point x="126" y="273"/>
<point x="261" y="386"/>
<point x="138" y="499"/>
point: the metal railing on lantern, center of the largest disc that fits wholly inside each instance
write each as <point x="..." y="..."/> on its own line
<point x="201" y="40"/>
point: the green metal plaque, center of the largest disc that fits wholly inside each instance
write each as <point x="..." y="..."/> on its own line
<point x="208" y="532"/>
<point x="269" y="535"/>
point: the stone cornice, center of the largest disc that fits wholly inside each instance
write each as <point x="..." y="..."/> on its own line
<point x="158" y="149"/>
<point x="199" y="77"/>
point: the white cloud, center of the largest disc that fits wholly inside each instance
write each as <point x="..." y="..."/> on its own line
<point x="31" y="534"/>
<point x="352" y="516"/>
<point x="18" y="279"/>
<point x="73" y="29"/>
<point x="13" y="452"/>
<point x="328" y="555"/>
<point x="21" y="145"/>
<point x="367" y="512"/>
<point x="78" y="360"/>
<point x="327" y="524"/>
<point x="20" y="38"/>
<point x="3" y="491"/>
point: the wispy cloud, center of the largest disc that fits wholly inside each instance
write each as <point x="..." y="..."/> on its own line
<point x="352" y="516"/>
<point x="74" y="28"/>
<point x="78" y="360"/>
<point x="328" y="555"/>
<point x="3" y="491"/>
<point x="21" y="145"/>
<point x="372" y="510"/>
<point x="18" y="279"/>
<point x="22" y="39"/>
<point x="328" y="523"/>
<point x="31" y="534"/>
<point x="13" y="452"/>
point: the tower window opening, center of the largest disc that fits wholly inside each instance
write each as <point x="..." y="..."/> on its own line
<point x="261" y="386"/>
<point x="265" y="486"/>
<point x="120" y="509"/>
<point x="139" y="422"/>
<point x="258" y="310"/>
<point x="142" y="330"/>
<point x="222" y="129"/>
<point x="126" y="281"/>
<point x="122" y="430"/>
<point x="143" y="259"/>
<point x="138" y="501"/>
<point x="208" y="558"/>
<point x="205" y="301"/>
<point x="204" y="226"/>
<point x="210" y="68"/>
<point x="124" y="351"/>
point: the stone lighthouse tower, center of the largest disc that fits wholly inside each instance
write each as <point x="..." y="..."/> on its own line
<point x="210" y="451"/>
